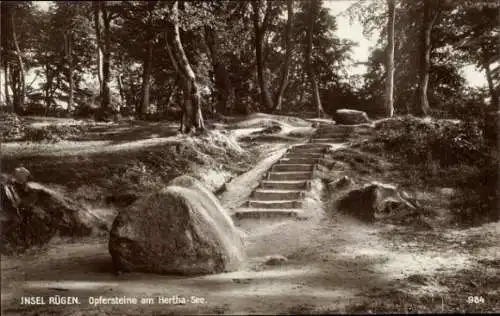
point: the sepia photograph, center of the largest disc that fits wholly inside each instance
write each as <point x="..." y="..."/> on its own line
<point x="249" y="157"/>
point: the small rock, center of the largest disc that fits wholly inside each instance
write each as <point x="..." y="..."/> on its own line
<point x="448" y="191"/>
<point x="273" y="129"/>
<point x="22" y="175"/>
<point x="242" y="281"/>
<point x="341" y="183"/>
<point x="275" y="260"/>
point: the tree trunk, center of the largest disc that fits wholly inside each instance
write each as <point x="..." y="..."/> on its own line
<point x="97" y="26"/>
<point x="169" y="98"/>
<point x="146" y="78"/>
<point x="191" y="116"/>
<point x="48" y="99"/>
<point x="491" y="87"/>
<point x="106" y="61"/>
<point x="69" y="59"/>
<point x="389" y="85"/>
<point x="221" y="77"/>
<point x="14" y="83"/>
<point x="309" y="68"/>
<point x="422" y="103"/>
<point x="6" y="43"/>
<point x="288" y="56"/>
<point x="259" y="30"/>
<point x="120" y="89"/>
<point x="6" y="86"/>
<point x="21" y="92"/>
<point x="48" y="85"/>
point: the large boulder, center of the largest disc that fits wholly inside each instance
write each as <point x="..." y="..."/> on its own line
<point x="180" y="229"/>
<point x="350" y="117"/>
<point x="33" y="214"/>
<point x="377" y="201"/>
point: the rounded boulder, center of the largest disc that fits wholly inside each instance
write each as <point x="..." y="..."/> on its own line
<point x="350" y="117"/>
<point x="181" y="229"/>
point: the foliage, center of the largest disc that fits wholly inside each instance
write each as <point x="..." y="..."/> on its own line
<point x="445" y="153"/>
<point x="422" y="141"/>
<point x="221" y="33"/>
<point x="463" y="34"/>
<point x="52" y="133"/>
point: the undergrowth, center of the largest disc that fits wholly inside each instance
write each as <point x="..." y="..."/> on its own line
<point x="443" y="153"/>
<point x="15" y="129"/>
<point x="95" y="178"/>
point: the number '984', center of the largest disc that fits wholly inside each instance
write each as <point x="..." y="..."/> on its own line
<point x="475" y="299"/>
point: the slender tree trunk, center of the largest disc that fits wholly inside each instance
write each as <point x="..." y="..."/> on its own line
<point x="389" y="85"/>
<point x="97" y="26"/>
<point x="169" y="98"/>
<point x="6" y="86"/>
<point x="180" y="77"/>
<point x="221" y="77"/>
<point x="120" y="89"/>
<point x="288" y="56"/>
<point x="259" y="31"/>
<point x="491" y="87"/>
<point x="422" y="105"/>
<point x="146" y="77"/>
<point x="14" y="83"/>
<point x="69" y="59"/>
<point x="192" y="116"/>
<point x="106" y="64"/>
<point x="5" y="39"/>
<point x="48" y="101"/>
<point x="310" y="71"/>
<point x="47" y="87"/>
<point x="22" y="91"/>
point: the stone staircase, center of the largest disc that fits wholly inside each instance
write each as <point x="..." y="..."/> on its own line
<point x="282" y="190"/>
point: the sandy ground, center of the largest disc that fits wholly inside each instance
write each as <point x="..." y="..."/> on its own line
<point x="331" y="264"/>
<point x="334" y="263"/>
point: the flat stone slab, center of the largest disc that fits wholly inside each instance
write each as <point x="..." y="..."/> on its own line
<point x="243" y="213"/>
<point x="285" y="185"/>
<point x="291" y="175"/>
<point x="275" y="204"/>
<point x="277" y="194"/>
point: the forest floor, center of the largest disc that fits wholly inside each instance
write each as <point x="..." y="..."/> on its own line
<point x="336" y="264"/>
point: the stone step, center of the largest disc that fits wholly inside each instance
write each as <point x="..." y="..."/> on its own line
<point x="327" y="140"/>
<point x="290" y="175"/>
<point x="284" y="185"/>
<point x="277" y="194"/>
<point x="243" y="213"/>
<point x="339" y="127"/>
<point x="275" y="204"/>
<point x="314" y="149"/>
<point x="292" y="167"/>
<point x="304" y="154"/>
<point x="306" y="160"/>
<point x="330" y="134"/>
<point x="309" y="145"/>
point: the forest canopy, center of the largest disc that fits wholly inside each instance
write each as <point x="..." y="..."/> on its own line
<point x="197" y="58"/>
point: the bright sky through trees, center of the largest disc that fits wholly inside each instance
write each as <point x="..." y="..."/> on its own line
<point x="354" y="32"/>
